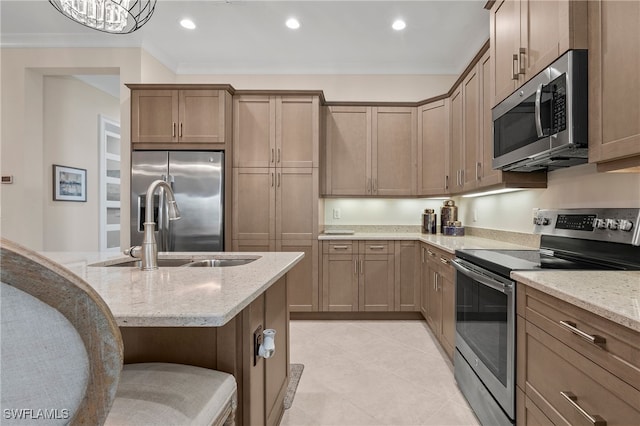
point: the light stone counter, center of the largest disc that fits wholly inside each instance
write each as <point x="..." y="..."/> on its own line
<point x="446" y="243"/>
<point x="614" y="295"/>
<point x="178" y="296"/>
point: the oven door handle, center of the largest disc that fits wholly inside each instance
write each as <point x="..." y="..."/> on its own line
<point x="538" y="114"/>
<point x="484" y="279"/>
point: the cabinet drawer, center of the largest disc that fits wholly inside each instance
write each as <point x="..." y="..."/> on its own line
<point x="556" y="373"/>
<point x="374" y="247"/>
<point x="338" y="247"/>
<point x="616" y="348"/>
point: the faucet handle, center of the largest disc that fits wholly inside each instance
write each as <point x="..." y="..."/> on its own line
<point x="134" y="251"/>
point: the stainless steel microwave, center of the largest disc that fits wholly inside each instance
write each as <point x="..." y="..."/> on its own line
<point x="543" y="124"/>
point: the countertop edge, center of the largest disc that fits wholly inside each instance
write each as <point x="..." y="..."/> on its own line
<point x="584" y="302"/>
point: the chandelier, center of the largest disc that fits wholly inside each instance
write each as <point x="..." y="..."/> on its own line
<point x="110" y="16"/>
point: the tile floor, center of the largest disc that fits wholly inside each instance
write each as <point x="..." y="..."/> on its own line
<point x="373" y="373"/>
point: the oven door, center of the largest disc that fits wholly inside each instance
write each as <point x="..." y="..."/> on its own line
<point x="485" y="329"/>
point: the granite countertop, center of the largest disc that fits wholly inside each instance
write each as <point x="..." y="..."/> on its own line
<point x="446" y="243"/>
<point x="176" y="296"/>
<point x="614" y="295"/>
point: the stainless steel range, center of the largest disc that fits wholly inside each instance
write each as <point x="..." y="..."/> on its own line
<point x="484" y="360"/>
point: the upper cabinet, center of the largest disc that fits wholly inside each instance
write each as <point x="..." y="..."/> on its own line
<point x="614" y="86"/>
<point x="433" y="148"/>
<point x="371" y="151"/>
<point x="276" y="131"/>
<point x="527" y="35"/>
<point x="471" y="137"/>
<point x="172" y="115"/>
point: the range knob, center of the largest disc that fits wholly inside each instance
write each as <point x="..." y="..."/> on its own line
<point x="545" y="221"/>
<point x="599" y="224"/>
<point x="613" y="224"/>
<point x="625" y="225"/>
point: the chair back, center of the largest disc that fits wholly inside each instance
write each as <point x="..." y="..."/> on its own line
<point x="62" y="352"/>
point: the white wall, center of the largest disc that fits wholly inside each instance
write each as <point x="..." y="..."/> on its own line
<point x="22" y="136"/>
<point x="71" y="110"/>
<point x="578" y="186"/>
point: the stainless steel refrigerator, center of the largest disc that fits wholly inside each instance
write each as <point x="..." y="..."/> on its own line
<point x="197" y="180"/>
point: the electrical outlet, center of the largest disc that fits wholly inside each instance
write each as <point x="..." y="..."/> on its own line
<point x="336" y="213"/>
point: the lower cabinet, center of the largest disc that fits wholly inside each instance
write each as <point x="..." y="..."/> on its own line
<point x="358" y="276"/>
<point x="438" y="295"/>
<point x="407" y="271"/>
<point x="574" y="367"/>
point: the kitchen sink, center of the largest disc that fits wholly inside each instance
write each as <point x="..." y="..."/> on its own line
<point x="215" y="263"/>
<point x="162" y="263"/>
<point x="185" y="262"/>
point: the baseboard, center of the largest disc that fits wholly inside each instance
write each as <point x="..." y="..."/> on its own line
<point x="355" y="316"/>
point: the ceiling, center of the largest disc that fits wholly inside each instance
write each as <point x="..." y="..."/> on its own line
<point x="249" y="37"/>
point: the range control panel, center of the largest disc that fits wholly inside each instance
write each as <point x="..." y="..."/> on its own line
<point x="613" y="225"/>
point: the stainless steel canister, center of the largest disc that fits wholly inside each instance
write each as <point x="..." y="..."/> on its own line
<point x="429" y="221"/>
<point x="448" y="213"/>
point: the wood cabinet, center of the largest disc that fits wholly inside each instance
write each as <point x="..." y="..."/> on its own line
<point x="571" y="360"/>
<point x="276" y="183"/>
<point x="614" y="87"/>
<point x="456" y="147"/>
<point x="171" y="115"/>
<point x="276" y="371"/>
<point x="438" y="293"/>
<point x="371" y="151"/>
<point x="527" y="35"/>
<point x="407" y="276"/>
<point x="433" y="148"/>
<point x="358" y="276"/>
<point x="471" y="143"/>
<point x="276" y="131"/>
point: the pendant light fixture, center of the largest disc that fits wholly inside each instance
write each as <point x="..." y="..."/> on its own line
<point x="110" y="16"/>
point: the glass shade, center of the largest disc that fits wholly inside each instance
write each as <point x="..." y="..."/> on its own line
<point x="111" y="16"/>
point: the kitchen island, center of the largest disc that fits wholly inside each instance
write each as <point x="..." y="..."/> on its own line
<point x="205" y="316"/>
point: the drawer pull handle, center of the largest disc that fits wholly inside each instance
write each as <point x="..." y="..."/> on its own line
<point x="595" y="339"/>
<point x="443" y="260"/>
<point x="376" y="247"/>
<point x="340" y="247"/>
<point x="430" y="253"/>
<point x="595" y="419"/>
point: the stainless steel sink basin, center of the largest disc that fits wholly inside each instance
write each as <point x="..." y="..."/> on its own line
<point x="215" y="263"/>
<point x="162" y="263"/>
<point x="185" y="262"/>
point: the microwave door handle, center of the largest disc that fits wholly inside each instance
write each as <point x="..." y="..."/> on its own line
<point x="496" y="285"/>
<point x="538" y="115"/>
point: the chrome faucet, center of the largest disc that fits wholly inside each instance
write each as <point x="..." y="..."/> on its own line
<point x="148" y="253"/>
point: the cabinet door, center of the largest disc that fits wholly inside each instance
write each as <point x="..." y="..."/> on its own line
<point x="297" y="131"/>
<point x="614" y="86"/>
<point x="407" y="274"/>
<point x="154" y="116"/>
<point x="296" y="203"/>
<point x="303" y="291"/>
<point x="447" y="289"/>
<point x="471" y="128"/>
<point x="433" y="148"/>
<point x="393" y="151"/>
<point x="254" y="131"/>
<point x="254" y="203"/>
<point x="544" y="33"/>
<point x="348" y="136"/>
<point x="424" y="282"/>
<point x="504" y="27"/>
<point x="434" y="317"/>
<point x="276" y="368"/>
<point x="201" y="115"/>
<point x="456" y="142"/>
<point x="486" y="174"/>
<point x="339" y="282"/>
<point x="376" y="282"/>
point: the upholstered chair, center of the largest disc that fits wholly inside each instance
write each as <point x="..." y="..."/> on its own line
<point x="62" y="358"/>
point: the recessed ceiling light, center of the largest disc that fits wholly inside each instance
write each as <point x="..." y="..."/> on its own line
<point x="188" y="24"/>
<point x="399" y="25"/>
<point x="293" y="23"/>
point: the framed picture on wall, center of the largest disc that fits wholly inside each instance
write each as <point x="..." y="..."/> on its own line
<point x="69" y="183"/>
